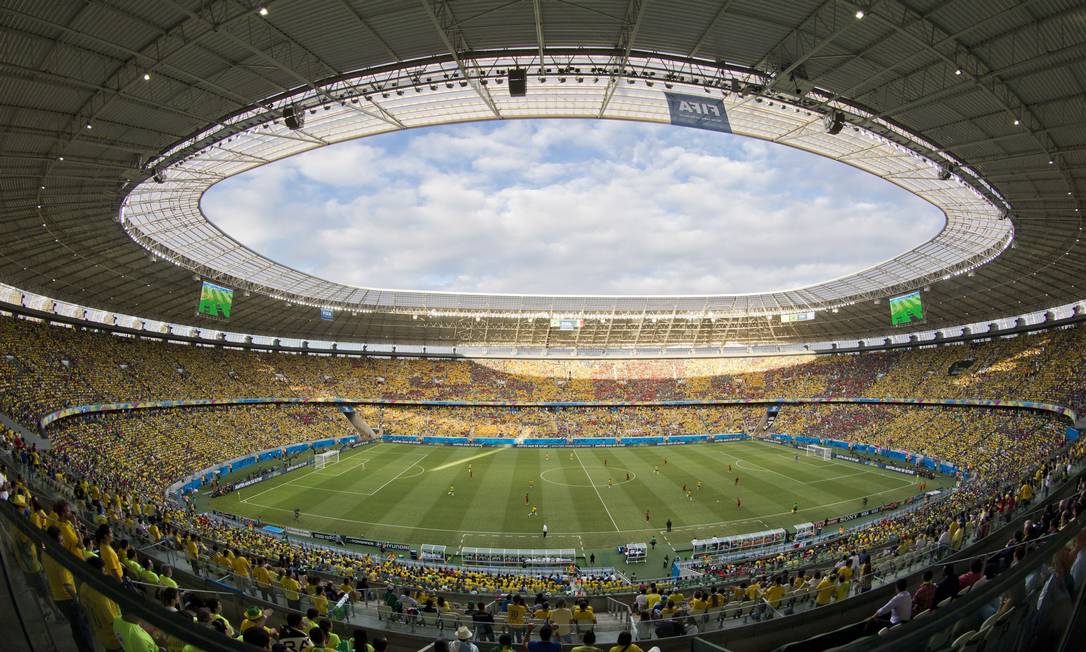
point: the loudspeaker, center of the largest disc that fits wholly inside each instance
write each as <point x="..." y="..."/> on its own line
<point x="293" y="118"/>
<point x="944" y="173"/>
<point x="159" y="175"/>
<point x="833" y="122"/>
<point x="518" y="82"/>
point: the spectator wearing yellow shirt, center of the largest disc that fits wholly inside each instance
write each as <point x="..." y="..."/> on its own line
<point x="262" y="575"/>
<point x="625" y="644"/>
<point x="62" y="590"/>
<point x="110" y="561"/>
<point x="561" y="620"/>
<point x="515" y="615"/>
<point x="841" y="590"/>
<point x="823" y="589"/>
<point x="100" y="611"/>
<point x="242" y="569"/>
<point x="291" y="587"/>
<point x="192" y="554"/>
<point x="1025" y="493"/>
<point x="774" y="592"/>
<point x="584" y="616"/>
<point x="320" y="603"/>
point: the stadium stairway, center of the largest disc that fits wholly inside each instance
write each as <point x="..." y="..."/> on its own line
<point x="26" y="434"/>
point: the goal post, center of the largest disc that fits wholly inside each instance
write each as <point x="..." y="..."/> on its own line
<point x="819" y="451"/>
<point x="321" y="460"/>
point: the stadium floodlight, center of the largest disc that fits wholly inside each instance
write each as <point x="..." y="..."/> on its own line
<point x="833" y="122"/>
<point x="263" y="11"/>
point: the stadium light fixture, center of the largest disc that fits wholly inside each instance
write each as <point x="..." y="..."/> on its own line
<point x="860" y="14"/>
<point x="958" y="72"/>
<point x="263" y="11"/>
<point x="89" y="126"/>
<point x="146" y="76"/>
<point x="1017" y="122"/>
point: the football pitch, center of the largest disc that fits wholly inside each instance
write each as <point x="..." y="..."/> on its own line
<point x="592" y="499"/>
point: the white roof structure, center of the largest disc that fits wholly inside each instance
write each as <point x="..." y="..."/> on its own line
<point x="102" y="97"/>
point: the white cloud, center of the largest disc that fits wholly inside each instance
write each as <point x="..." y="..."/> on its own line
<point x="569" y="207"/>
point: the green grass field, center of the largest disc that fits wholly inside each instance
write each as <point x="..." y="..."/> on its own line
<point x="399" y="492"/>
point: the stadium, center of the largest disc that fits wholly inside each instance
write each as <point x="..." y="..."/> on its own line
<point x="211" y="443"/>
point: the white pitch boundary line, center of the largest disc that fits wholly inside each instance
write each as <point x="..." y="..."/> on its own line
<point x="597" y="490"/>
<point x="351" y="467"/>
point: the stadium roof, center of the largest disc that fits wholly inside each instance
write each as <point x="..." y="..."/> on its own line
<point x="100" y="95"/>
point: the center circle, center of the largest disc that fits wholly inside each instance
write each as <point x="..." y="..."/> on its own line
<point x="609" y="469"/>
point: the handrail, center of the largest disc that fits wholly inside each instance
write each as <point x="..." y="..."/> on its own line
<point x="206" y="639"/>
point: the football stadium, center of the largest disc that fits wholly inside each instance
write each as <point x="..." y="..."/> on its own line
<point x="477" y="325"/>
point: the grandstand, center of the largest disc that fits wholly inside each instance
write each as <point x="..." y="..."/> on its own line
<point x="204" y="448"/>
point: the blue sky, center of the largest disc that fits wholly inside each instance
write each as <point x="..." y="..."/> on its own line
<point x="569" y="206"/>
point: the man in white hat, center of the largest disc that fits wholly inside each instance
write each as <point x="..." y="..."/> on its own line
<point x="463" y="641"/>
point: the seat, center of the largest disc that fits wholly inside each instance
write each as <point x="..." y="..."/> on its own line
<point x="962" y="641"/>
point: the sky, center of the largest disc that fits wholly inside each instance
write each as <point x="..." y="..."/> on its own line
<point x="569" y="207"/>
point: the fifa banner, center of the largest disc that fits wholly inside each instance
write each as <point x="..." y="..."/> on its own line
<point x="698" y="112"/>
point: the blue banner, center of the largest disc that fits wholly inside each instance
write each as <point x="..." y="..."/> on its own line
<point x="698" y="112"/>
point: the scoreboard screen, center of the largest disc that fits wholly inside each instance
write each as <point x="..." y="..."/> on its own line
<point x="906" y="309"/>
<point x="215" y="301"/>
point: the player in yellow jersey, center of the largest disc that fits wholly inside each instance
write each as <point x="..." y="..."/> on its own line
<point x="452" y="490"/>
<point x="533" y="512"/>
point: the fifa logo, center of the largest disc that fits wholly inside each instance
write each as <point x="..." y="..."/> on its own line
<point x="701" y="108"/>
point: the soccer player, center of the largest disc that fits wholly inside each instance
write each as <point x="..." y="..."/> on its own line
<point x="737" y="481"/>
<point x="605" y="461"/>
<point x="797" y="457"/>
<point x="610" y="482"/>
<point x="571" y="456"/>
<point x="544" y="530"/>
<point x="738" y="503"/>
<point x="531" y="484"/>
<point x="546" y="457"/>
<point x="729" y="468"/>
<point x="296" y="512"/>
<point x="471" y="474"/>
<point x="525" y="499"/>
<point x="684" y="487"/>
<point x="656" y="469"/>
<point x="795" y="507"/>
<point x="665" y="461"/>
<point x="452" y="490"/>
<point x="647" y="515"/>
<point x="690" y="495"/>
<point x="700" y="485"/>
<point x="627" y="476"/>
<point x="534" y="512"/>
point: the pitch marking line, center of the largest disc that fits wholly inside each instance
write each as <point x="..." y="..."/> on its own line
<point x="597" y="490"/>
<point x="350" y="467"/>
<point x="397" y="476"/>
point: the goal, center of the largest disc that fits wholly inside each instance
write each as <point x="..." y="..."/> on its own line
<point x="819" y="451"/>
<point x="321" y="460"/>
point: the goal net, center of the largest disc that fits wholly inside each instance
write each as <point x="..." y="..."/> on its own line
<point x="819" y="451"/>
<point x="322" y="460"/>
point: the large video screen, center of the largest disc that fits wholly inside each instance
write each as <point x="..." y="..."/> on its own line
<point x="215" y="301"/>
<point x="906" y="309"/>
